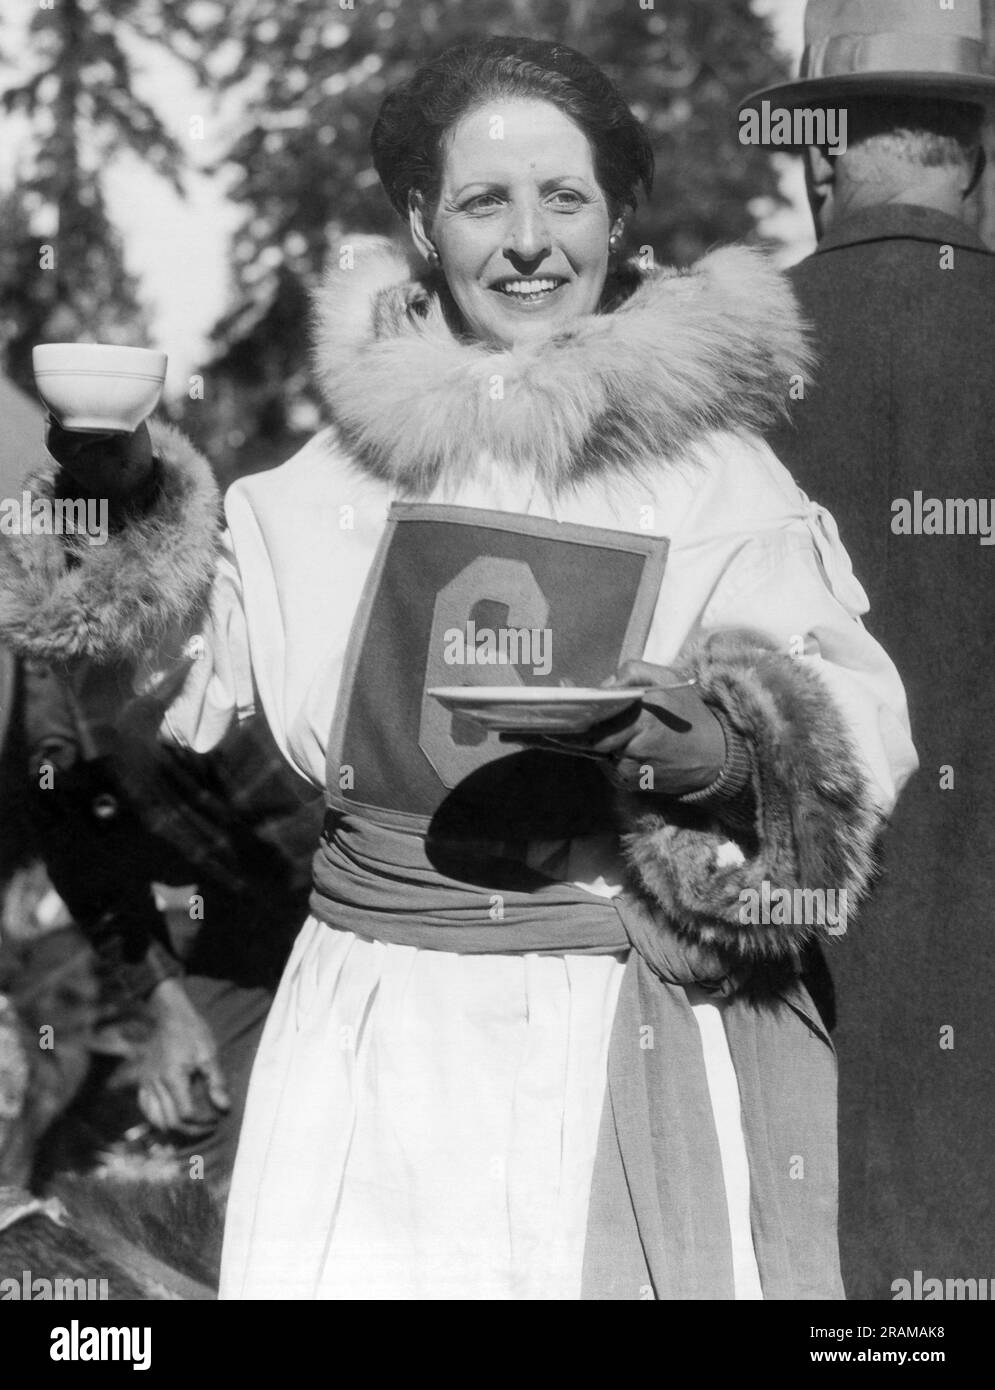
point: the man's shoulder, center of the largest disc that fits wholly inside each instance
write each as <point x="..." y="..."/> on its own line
<point x="893" y="278"/>
<point x="840" y="260"/>
<point x="902" y="236"/>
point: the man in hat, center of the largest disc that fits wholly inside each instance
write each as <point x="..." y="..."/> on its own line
<point x="896" y="436"/>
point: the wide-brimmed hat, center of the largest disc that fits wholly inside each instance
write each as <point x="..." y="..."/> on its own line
<point x="887" y="48"/>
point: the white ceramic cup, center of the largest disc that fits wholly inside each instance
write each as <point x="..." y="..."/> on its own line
<point x="98" y="387"/>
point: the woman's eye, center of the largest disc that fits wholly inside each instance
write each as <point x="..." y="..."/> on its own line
<point x="483" y="202"/>
<point x="566" y="198"/>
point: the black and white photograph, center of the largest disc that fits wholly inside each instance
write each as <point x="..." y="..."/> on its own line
<point x="497" y="746"/>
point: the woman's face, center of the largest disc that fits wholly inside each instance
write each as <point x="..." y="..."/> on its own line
<point x="522" y="226"/>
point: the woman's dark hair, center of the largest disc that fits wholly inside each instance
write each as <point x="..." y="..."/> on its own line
<point x="407" y="136"/>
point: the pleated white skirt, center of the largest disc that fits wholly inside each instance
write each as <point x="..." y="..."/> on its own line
<point x="423" y="1125"/>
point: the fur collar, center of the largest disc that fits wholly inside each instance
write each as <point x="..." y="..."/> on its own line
<point x="680" y="356"/>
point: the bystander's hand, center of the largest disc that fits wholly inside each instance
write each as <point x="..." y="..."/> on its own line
<point x="181" y="1085"/>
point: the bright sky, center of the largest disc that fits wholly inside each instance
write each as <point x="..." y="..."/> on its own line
<point x="179" y="248"/>
<point x="793" y="225"/>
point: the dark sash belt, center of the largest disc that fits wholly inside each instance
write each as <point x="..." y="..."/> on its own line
<point x="657" y="1226"/>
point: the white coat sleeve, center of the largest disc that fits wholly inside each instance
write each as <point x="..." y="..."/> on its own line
<point x="202" y="673"/>
<point x="797" y="588"/>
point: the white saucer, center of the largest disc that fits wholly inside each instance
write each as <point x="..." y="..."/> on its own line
<point x="537" y="709"/>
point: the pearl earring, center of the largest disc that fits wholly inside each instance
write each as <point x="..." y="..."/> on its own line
<point x="432" y="256"/>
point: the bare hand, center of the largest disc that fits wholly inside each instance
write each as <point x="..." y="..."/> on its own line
<point x="180" y="1059"/>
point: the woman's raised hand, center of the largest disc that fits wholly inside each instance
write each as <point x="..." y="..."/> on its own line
<point x="116" y="466"/>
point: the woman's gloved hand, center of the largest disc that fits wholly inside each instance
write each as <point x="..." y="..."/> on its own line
<point x="116" y="466"/>
<point x="670" y="743"/>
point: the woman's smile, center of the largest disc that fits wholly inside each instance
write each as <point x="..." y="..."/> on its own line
<point x="526" y="294"/>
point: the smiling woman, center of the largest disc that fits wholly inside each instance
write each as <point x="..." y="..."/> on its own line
<point x="516" y="176"/>
<point x="526" y="1046"/>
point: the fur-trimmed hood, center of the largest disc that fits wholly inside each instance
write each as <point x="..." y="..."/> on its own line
<point x="681" y="355"/>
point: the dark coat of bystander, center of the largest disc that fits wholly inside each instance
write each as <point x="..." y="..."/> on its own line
<point x="896" y="437"/>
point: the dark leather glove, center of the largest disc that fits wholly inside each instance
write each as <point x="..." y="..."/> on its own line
<point x="670" y="743"/>
<point x="119" y="467"/>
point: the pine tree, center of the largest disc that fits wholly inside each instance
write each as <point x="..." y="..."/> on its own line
<point x="62" y="264"/>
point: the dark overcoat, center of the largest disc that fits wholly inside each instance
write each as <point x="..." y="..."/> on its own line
<point x="902" y="300"/>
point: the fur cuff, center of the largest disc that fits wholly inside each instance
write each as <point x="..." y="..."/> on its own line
<point x="810" y="855"/>
<point x="63" y="597"/>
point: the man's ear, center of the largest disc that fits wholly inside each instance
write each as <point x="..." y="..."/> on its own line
<point x="820" y="179"/>
<point x="416" y="221"/>
<point x="980" y="165"/>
